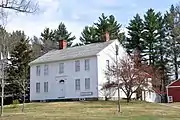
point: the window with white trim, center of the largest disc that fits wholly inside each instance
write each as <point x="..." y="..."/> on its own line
<point x="38" y="70"/>
<point x="86" y="62"/>
<point x="77" y="84"/>
<point x="46" y="69"/>
<point x="38" y="87"/>
<point x="87" y="83"/>
<point x="77" y="65"/>
<point x="45" y="86"/>
<point x="61" y="68"/>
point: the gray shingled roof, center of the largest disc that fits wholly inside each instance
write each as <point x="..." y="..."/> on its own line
<point x="72" y="53"/>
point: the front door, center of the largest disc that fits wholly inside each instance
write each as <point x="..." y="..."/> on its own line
<point x="62" y="88"/>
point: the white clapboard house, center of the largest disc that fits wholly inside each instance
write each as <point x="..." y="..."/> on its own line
<point x="73" y="73"/>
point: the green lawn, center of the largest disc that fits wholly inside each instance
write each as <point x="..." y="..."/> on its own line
<point x="99" y="110"/>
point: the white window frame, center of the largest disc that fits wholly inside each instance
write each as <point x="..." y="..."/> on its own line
<point x="38" y="87"/>
<point x="87" y="83"/>
<point x="61" y="68"/>
<point x="87" y="64"/>
<point x="77" y="84"/>
<point x="38" y="70"/>
<point x="46" y="87"/>
<point x="46" y="70"/>
<point x="77" y="65"/>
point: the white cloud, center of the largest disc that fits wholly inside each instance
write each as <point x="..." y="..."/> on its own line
<point x="75" y="14"/>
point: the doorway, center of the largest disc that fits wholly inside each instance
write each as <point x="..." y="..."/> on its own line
<point x="62" y="88"/>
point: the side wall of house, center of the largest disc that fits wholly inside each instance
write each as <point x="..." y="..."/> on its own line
<point x="109" y="53"/>
<point x="69" y="76"/>
<point x="151" y="96"/>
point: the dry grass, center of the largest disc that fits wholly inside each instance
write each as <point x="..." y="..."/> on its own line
<point x="99" y="110"/>
<point x="175" y="104"/>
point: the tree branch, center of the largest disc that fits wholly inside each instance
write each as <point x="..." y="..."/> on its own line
<point x="23" y="6"/>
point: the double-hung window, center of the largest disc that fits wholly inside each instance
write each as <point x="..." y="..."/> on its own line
<point x="38" y="70"/>
<point x="87" y="67"/>
<point x="61" y="68"/>
<point x="77" y="84"/>
<point x="87" y="83"/>
<point x="45" y="86"/>
<point x="46" y="70"/>
<point x="77" y="65"/>
<point x="37" y="87"/>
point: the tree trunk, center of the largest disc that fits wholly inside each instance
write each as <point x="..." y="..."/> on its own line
<point x="2" y="96"/>
<point x="24" y="96"/>
<point x="119" y="107"/>
<point x="106" y="98"/>
<point x="128" y="99"/>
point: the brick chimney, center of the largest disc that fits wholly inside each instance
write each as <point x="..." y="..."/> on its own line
<point x="107" y="37"/>
<point x="62" y="44"/>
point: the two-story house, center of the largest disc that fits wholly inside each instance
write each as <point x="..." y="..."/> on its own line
<point x="73" y="73"/>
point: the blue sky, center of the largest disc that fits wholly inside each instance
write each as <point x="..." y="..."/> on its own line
<point x="78" y="13"/>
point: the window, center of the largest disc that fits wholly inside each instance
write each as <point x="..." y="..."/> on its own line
<point x="38" y="71"/>
<point x="45" y="69"/>
<point x="77" y="84"/>
<point x="87" y="83"/>
<point x="77" y="65"/>
<point x="87" y="67"/>
<point x="107" y="63"/>
<point x="38" y="87"/>
<point x="45" y="86"/>
<point x="61" y="68"/>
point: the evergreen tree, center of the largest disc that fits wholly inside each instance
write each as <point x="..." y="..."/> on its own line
<point x="89" y="35"/>
<point x="172" y="20"/>
<point x="50" y="38"/>
<point x="150" y="34"/>
<point x="96" y="32"/>
<point x="135" y="40"/>
<point x="18" y="70"/>
<point x="15" y="37"/>
<point x="47" y="38"/>
<point x="61" y="33"/>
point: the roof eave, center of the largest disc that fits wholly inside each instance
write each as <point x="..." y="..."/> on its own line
<point x="35" y="63"/>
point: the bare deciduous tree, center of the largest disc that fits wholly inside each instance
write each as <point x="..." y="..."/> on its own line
<point x="130" y="76"/>
<point x="26" y="6"/>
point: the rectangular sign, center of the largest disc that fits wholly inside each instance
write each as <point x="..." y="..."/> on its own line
<point x="86" y="93"/>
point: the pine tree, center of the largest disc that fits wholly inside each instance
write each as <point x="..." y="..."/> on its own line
<point x="150" y="34"/>
<point x="47" y="38"/>
<point x="18" y="70"/>
<point x="135" y="40"/>
<point x="89" y="35"/>
<point x="96" y="32"/>
<point x="61" y="33"/>
<point x="172" y="19"/>
<point x="50" y="38"/>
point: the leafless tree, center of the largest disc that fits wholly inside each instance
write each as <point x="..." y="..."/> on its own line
<point x="25" y="6"/>
<point x="3" y="50"/>
<point x="130" y="76"/>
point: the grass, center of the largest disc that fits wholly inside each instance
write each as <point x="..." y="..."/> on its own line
<point x="177" y="104"/>
<point x="98" y="110"/>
